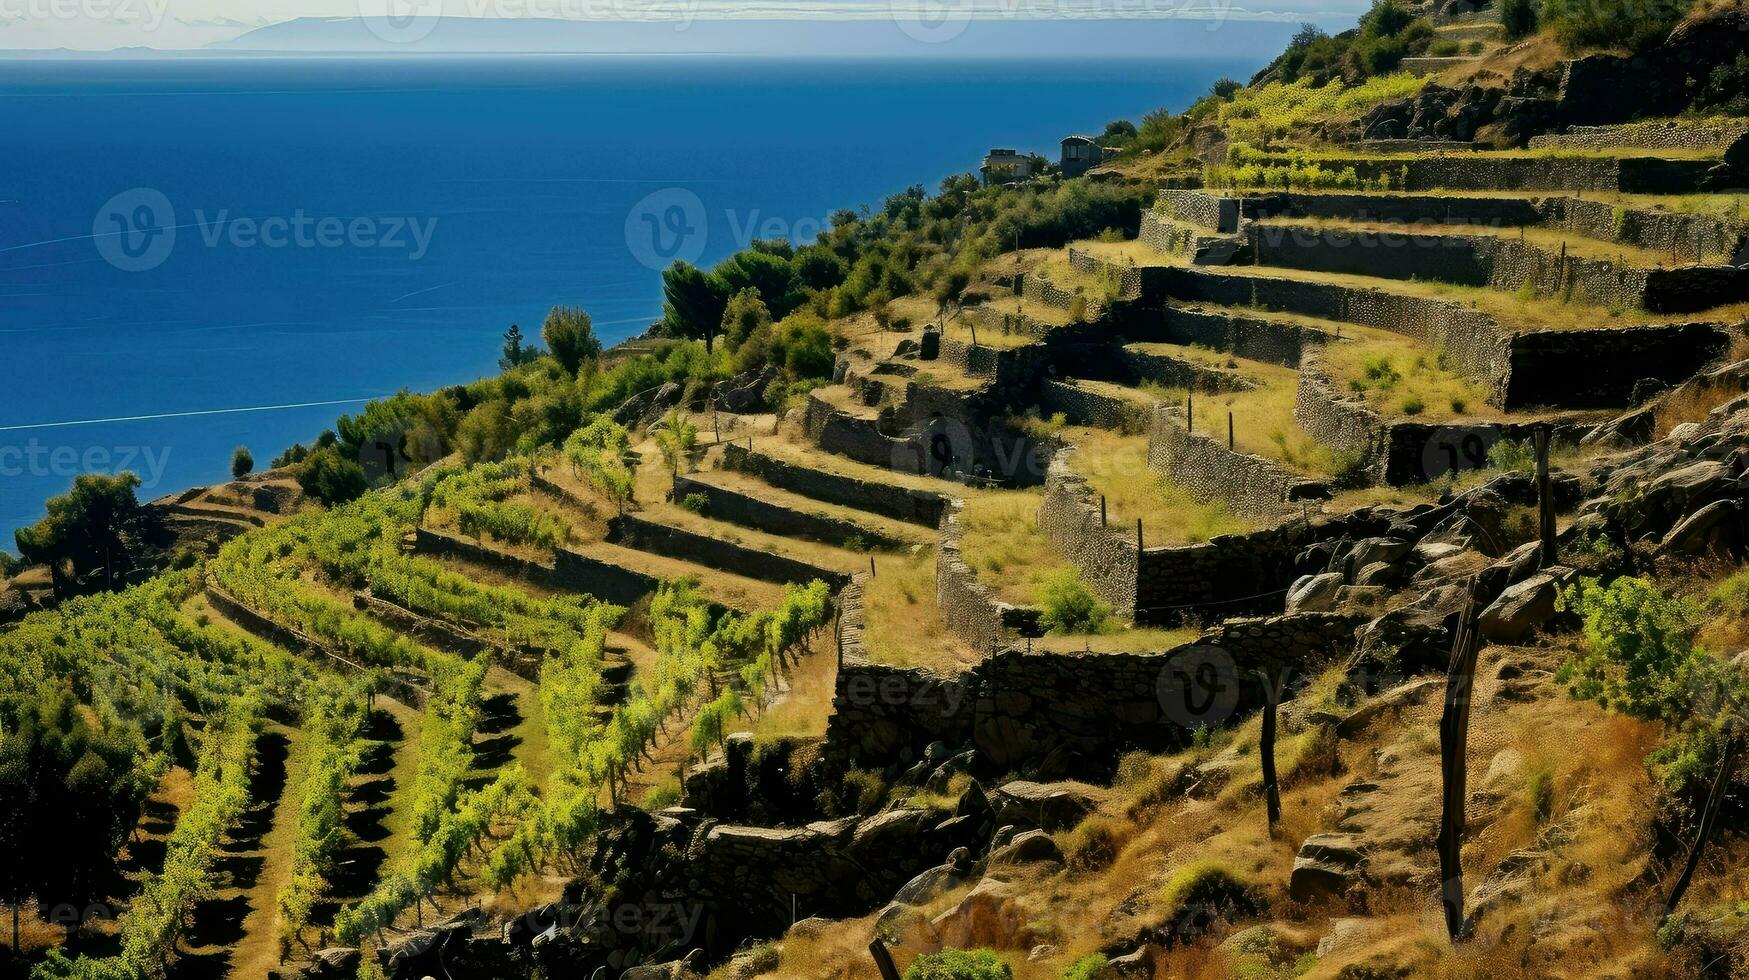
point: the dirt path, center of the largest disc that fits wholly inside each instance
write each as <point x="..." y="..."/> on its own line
<point x="527" y="737"/>
<point x="220" y="942"/>
<point x="258" y="952"/>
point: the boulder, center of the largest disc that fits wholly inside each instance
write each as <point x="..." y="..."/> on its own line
<point x="1524" y="606"/>
<point x="931" y="883"/>
<point x="1328" y="865"/>
<point x="1371" y="551"/>
<point x="681" y="969"/>
<point x="339" y="961"/>
<point x="1049" y="806"/>
<point x="1314" y="593"/>
<point x="1716" y="527"/>
<point x="1034" y="845"/>
<point x="987" y="916"/>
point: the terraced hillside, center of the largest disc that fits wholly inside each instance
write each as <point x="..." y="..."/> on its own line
<point x="1312" y="545"/>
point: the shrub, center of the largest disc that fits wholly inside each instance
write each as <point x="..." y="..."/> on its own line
<point x="1094" y="843"/>
<point x="332" y="478"/>
<point x="1638" y="658"/>
<point x="242" y="462"/>
<point x="956" y="964"/>
<point x="1540" y="793"/>
<point x="1633" y="24"/>
<point x="1518" y="17"/>
<point x="1204" y="888"/>
<point x="1510" y="455"/>
<point x="1093" y="966"/>
<point x="695" y="502"/>
<point x="1413" y="405"/>
<point x="1070" y="606"/>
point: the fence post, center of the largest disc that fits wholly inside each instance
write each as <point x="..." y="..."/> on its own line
<point x="1266" y="756"/>
<point x="1229" y="430"/>
<point x="1189" y="412"/>
<point x="1721" y="782"/>
<point x="871" y="570"/>
<point x="1102" y="510"/>
<point x="1454" y="726"/>
<point x="883" y="960"/>
<point x="1138" y="538"/>
<point x="1545" y="500"/>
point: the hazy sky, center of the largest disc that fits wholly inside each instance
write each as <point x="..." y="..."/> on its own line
<point x="99" y="25"/>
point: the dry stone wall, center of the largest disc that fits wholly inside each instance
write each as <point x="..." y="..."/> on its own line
<point x="1205" y="210"/>
<point x="969" y="608"/>
<point x="712" y="552"/>
<point x="1690" y="237"/>
<point x="1081" y="405"/>
<point x="1250" y="486"/>
<point x="903" y="503"/>
<point x="1667" y="134"/>
<point x="1250" y="337"/>
<point x="749" y="510"/>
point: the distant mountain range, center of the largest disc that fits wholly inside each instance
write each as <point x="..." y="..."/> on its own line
<point x="871" y="37"/>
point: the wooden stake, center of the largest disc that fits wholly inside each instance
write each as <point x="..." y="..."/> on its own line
<point x="1266" y="757"/>
<point x="1102" y="522"/>
<point x="1454" y="728"/>
<point x="1229" y="430"/>
<point x="1710" y="812"/>
<point x="1138" y="535"/>
<point x="883" y="960"/>
<point x="871" y="570"/>
<point x="1544" y="499"/>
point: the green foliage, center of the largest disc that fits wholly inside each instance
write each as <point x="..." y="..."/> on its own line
<point x="84" y="526"/>
<point x="1518" y="17"/>
<point x="694" y="302"/>
<point x="1093" y="966"/>
<point x="515" y="353"/>
<point x="1638" y="656"/>
<point x="1632" y="24"/>
<point x="676" y="439"/>
<point x="242" y="462"/>
<point x="598" y="452"/>
<point x="1388" y="33"/>
<point x="1540" y="793"/>
<point x="1206" y="884"/>
<point x="332" y="478"/>
<point x="1070" y="606"/>
<point x="956" y="964"/>
<point x="1512" y="455"/>
<point x="333" y="724"/>
<point x="570" y="335"/>
<point x="1726" y="90"/>
<point x="695" y="502"/>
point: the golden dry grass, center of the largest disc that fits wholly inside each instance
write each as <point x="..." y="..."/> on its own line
<point x="1116" y="466"/>
<point x="1396" y="376"/>
<point x="901" y="624"/>
<point x="1002" y="544"/>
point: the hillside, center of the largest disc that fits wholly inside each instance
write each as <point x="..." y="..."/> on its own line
<point x="1310" y="544"/>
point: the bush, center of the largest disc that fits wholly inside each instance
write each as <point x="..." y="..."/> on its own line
<point x="332" y="478"/>
<point x="1512" y="455"/>
<point x="1070" y="606"/>
<point x="1632" y="24"/>
<point x="241" y="462"/>
<point x="1094" y="843"/>
<point x="1093" y="966"/>
<point x="1204" y="887"/>
<point x="1518" y="17"/>
<point x="1638" y="658"/>
<point x="956" y="964"/>
<point x="694" y="502"/>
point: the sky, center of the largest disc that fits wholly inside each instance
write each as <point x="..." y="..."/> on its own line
<point x="180" y="25"/>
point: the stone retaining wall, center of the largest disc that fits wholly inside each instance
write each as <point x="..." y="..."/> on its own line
<point x="1106" y="557"/>
<point x="1083" y="406"/>
<point x="1468" y="172"/>
<point x="1668" y="134"/>
<point x="578" y="572"/>
<point x="1253" y="338"/>
<point x="992" y="319"/>
<point x="1581" y="367"/>
<point x="1669" y="232"/>
<point x="907" y="504"/>
<point x="1206" y="210"/>
<point x="969" y="608"/>
<point x="1204" y="467"/>
<point x="747" y="510"/>
<point x="1406" y="208"/>
<point x="1180" y="372"/>
<point x="1334" y="419"/>
<point x="394" y="683"/>
<point x="702" y="549"/>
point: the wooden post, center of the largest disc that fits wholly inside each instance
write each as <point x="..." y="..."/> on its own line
<point x="1454" y="728"/>
<point x="871" y="571"/>
<point x="1229" y="430"/>
<point x="970" y="323"/>
<point x="1138" y="536"/>
<point x="1545" y="500"/>
<point x="883" y="960"/>
<point x="1708" y="813"/>
<point x="1266" y="756"/>
<point x="838" y="633"/>
<point x="1102" y="522"/>
<point x="1189" y="411"/>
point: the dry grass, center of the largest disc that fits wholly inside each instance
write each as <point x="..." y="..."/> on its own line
<point x="901" y="624"/>
<point x="1263" y="421"/>
<point x="1396" y="376"/>
<point x="1003" y="546"/>
<point x="1116" y="466"/>
<point x="1133" y="640"/>
<point x="1417" y="234"/>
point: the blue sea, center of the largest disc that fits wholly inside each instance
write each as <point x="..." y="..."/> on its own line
<point x="196" y="255"/>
